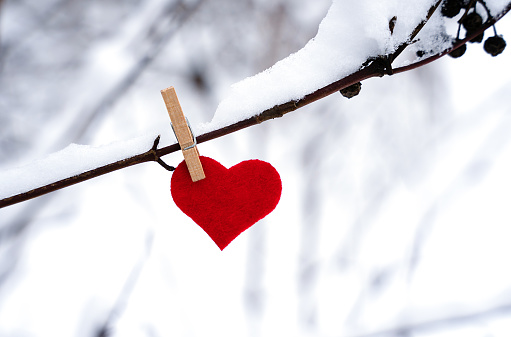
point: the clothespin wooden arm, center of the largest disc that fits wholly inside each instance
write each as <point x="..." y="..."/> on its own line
<point x="183" y="134"/>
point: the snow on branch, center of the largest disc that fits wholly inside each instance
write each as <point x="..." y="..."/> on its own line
<point x="71" y="165"/>
<point x="355" y="41"/>
<point x="351" y="33"/>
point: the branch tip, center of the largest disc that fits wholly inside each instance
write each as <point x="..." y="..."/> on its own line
<point x="156" y="142"/>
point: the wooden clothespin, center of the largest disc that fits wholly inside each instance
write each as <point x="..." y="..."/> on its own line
<point x="184" y="134"/>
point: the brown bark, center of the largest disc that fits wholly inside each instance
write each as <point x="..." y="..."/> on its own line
<point x="376" y="67"/>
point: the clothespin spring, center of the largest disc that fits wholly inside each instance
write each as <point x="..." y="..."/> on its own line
<point x="191" y="131"/>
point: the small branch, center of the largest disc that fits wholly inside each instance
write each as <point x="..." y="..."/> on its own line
<point x="416" y="31"/>
<point x="442" y="322"/>
<point x="485" y="26"/>
<point x="138" y="159"/>
<point x="375" y="68"/>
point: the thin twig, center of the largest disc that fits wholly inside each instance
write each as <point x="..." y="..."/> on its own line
<point x="374" y="69"/>
<point x="416" y="31"/>
<point x="456" y="45"/>
<point x="442" y="322"/>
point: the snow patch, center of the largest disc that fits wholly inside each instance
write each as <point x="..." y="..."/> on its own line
<point x="351" y="32"/>
<point x="496" y="6"/>
<point x="71" y="161"/>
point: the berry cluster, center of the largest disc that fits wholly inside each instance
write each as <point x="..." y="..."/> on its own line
<point x="471" y="21"/>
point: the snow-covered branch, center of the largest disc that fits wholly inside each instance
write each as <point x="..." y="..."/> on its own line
<point x="368" y="62"/>
<point x="73" y="165"/>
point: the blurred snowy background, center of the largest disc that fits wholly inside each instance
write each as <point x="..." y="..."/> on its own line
<point x="394" y="218"/>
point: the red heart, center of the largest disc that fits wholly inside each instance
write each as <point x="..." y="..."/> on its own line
<point x="227" y="201"/>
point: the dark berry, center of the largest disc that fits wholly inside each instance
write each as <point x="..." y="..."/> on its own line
<point x="458" y="52"/>
<point x="494" y="45"/>
<point x="351" y="91"/>
<point x="478" y="38"/>
<point x="472" y="22"/>
<point x="420" y="53"/>
<point x="451" y="8"/>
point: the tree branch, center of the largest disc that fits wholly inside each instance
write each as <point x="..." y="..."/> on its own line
<point x="416" y="31"/>
<point x="377" y="67"/>
<point x="490" y="22"/>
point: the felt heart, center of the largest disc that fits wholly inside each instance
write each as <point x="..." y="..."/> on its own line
<point x="227" y="201"/>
